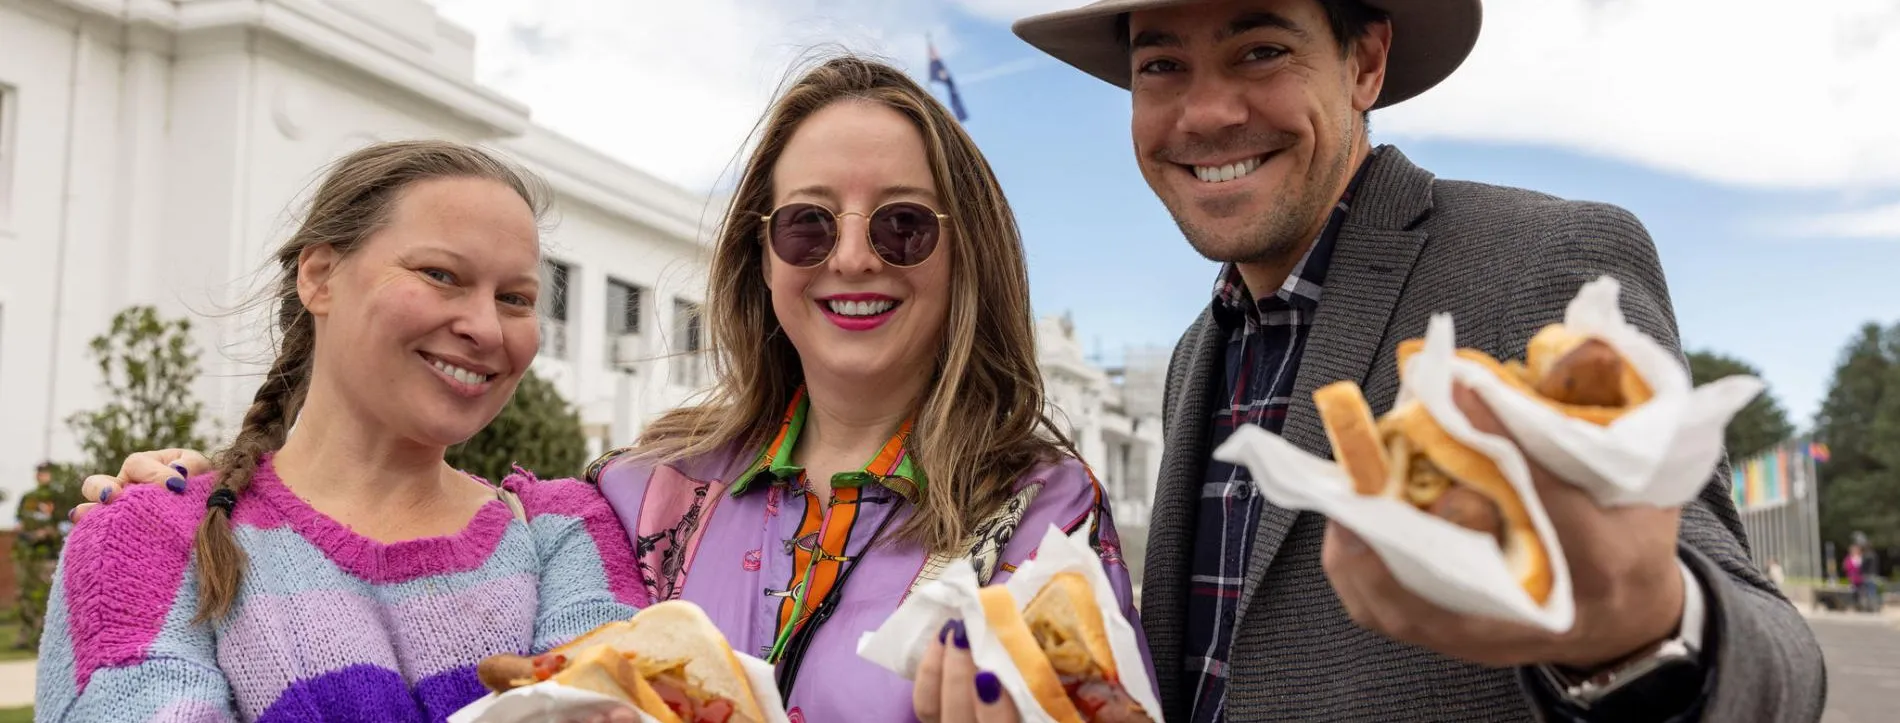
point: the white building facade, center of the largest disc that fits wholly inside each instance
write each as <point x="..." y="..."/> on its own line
<point x="1113" y="415"/>
<point x="155" y="152"/>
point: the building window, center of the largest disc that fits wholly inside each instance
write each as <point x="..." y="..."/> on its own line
<point x="623" y="322"/>
<point x="7" y="102"/>
<point x="688" y="340"/>
<point x="554" y="298"/>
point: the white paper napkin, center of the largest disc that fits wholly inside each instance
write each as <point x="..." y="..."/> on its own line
<point x="550" y="702"/>
<point x="899" y="644"/>
<point x="1660" y="453"/>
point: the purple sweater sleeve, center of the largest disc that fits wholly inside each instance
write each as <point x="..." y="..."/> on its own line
<point x="587" y="572"/>
<point x="118" y="643"/>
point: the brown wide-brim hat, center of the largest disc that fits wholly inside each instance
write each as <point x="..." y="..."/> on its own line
<point x="1430" y="39"/>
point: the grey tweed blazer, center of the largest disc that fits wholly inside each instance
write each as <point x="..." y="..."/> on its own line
<point x="1504" y="262"/>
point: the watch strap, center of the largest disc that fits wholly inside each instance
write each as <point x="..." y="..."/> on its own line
<point x="1589" y="689"/>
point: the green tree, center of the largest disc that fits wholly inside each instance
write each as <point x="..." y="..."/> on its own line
<point x="1860" y="422"/>
<point x="537" y="430"/>
<point x="147" y="366"/>
<point x="1760" y="425"/>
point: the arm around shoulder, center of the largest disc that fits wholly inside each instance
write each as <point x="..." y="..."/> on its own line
<point x="587" y="568"/>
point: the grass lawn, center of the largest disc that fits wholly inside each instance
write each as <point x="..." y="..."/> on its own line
<point x="16" y="715"/>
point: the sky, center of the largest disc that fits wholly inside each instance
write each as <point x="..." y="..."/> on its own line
<point x="1758" y="141"/>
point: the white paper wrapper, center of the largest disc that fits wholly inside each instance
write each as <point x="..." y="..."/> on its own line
<point x="555" y="703"/>
<point x="900" y="643"/>
<point x="1660" y="453"/>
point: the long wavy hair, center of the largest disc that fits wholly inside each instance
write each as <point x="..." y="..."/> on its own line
<point x="982" y="424"/>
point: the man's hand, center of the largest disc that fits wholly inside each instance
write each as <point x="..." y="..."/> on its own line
<point x="168" y="467"/>
<point x="949" y="688"/>
<point x="1623" y="571"/>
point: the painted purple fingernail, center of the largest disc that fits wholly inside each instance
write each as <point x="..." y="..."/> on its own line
<point x="961" y="636"/>
<point x="182" y="472"/>
<point x="943" y="634"/>
<point x="176" y="485"/>
<point x="988" y="688"/>
<point x="105" y="495"/>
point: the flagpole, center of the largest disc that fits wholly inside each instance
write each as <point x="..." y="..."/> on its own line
<point x="1814" y="515"/>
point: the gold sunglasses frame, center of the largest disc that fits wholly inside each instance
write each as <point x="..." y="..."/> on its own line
<point x="837" y="233"/>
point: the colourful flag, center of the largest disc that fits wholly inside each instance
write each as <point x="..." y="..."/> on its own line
<point x="941" y="74"/>
<point x="1819" y="452"/>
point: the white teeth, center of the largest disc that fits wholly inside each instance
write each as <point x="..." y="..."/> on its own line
<point x="1231" y="171"/>
<point x="459" y="374"/>
<point x="860" y="308"/>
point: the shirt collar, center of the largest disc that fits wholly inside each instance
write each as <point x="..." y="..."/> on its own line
<point x="1233" y="301"/>
<point x="892" y="466"/>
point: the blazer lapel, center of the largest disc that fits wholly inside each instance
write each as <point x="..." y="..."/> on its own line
<point x="1372" y="259"/>
<point x="1184" y="459"/>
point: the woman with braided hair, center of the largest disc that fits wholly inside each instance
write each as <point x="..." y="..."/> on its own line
<point x="345" y="571"/>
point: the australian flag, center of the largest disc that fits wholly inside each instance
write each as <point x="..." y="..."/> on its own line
<point x="941" y="74"/>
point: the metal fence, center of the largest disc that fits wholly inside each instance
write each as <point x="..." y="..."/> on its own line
<point x="1778" y="495"/>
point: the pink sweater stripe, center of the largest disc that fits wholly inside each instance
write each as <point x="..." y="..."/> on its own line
<point x="142" y="547"/>
<point x="367" y="559"/>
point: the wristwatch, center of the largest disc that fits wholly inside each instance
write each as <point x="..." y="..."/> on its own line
<point x="1656" y="684"/>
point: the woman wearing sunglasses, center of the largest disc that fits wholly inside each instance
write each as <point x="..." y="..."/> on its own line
<point x="878" y="410"/>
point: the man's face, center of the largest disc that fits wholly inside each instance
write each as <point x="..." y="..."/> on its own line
<point x="1246" y="113"/>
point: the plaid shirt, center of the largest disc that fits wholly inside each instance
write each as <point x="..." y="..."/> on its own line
<point x="1265" y="340"/>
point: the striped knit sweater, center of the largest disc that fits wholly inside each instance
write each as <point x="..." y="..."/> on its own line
<point x="328" y="625"/>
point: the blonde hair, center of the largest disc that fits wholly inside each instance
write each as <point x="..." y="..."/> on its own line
<point x="355" y="198"/>
<point x="982" y="424"/>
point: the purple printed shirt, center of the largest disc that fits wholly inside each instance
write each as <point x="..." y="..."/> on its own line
<point x="739" y="534"/>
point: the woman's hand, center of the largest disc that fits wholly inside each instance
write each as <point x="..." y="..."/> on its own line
<point x="168" y="467"/>
<point x="949" y="688"/>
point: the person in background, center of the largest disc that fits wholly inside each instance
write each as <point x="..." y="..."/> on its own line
<point x="36" y="548"/>
<point x="1868" y="591"/>
<point x="343" y="570"/>
<point x="1856" y="575"/>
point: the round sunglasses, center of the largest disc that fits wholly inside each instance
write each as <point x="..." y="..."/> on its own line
<point x="903" y="233"/>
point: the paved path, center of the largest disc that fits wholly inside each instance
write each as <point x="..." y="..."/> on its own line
<point x="16" y="683"/>
<point x="1863" y="667"/>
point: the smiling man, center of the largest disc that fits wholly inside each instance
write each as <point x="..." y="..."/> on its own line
<point x="1249" y="122"/>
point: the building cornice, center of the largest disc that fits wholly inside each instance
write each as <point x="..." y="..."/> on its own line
<point x="408" y="46"/>
<point x="583" y="174"/>
<point x="412" y="58"/>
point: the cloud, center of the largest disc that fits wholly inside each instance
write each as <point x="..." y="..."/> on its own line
<point x="675" y="88"/>
<point x="1000" y="70"/>
<point x="1749" y="93"/>
<point x="1874" y="222"/>
<point x="1753" y="93"/>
